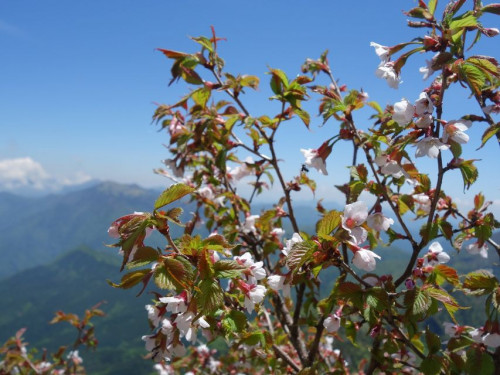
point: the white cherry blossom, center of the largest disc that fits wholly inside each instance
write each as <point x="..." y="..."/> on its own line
<point x="314" y="160"/>
<point x="389" y="167"/>
<point x="379" y="222"/>
<point x="249" y="224"/>
<point x="153" y="314"/>
<point x="474" y="248"/>
<point x="355" y="215"/>
<point x="423" y="105"/>
<point x="455" y="131"/>
<point x="403" y="112"/>
<point x="424" y="121"/>
<point x="491" y="339"/>
<point x="277" y="283"/>
<point x="332" y="323"/>
<point x="386" y="71"/>
<point x="365" y="259"/>
<point x="430" y="146"/>
<point x="435" y="255"/>
<point x="255" y="295"/>
<point x="175" y="304"/>
<point x="381" y="51"/>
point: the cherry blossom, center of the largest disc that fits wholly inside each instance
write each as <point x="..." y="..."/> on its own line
<point x="423" y="201"/>
<point x="175" y="304"/>
<point x="314" y="160"/>
<point x="436" y="255"/>
<point x="381" y="51"/>
<point x="332" y="323"/>
<point x="491" y="339"/>
<point x="277" y="283"/>
<point x="172" y="165"/>
<point x="254" y="295"/>
<point x="254" y="271"/>
<point x="455" y="131"/>
<point x="423" y="105"/>
<point x="206" y="192"/>
<point x="427" y="70"/>
<point x="249" y="224"/>
<point x="379" y="222"/>
<point x="403" y="112"/>
<point x="354" y="216"/>
<point x="365" y="259"/>
<point x="74" y="356"/>
<point x="153" y="314"/>
<point x="386" y="71"/>
<point x="424" y="121"/>
<point x="389" y="166"/>
<point x="242" y="171"/>
<point x="430" y="146"/>
<point x="475" y="248"/>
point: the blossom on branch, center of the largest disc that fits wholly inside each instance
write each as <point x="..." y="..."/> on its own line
<point x="454" y="130"/>
<point x="435" y="255"/>
<point x="403" y="112"/>
<point x="332" y="323"/>
<point x="381" y="51"/>
<point x="365" y="259"/>
<point x="386" y="71"/>
<point x="379" y="222"/>
<point x="430" y="146"/>
<point x="476" y="248"/>
<point x="354" y="216"/>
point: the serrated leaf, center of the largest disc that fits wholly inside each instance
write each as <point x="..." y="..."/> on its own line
<point x="143" y="256"/>
<point x="328" y="223"/>
<point x="205" y="265"/>
<point x="253" y="338"/>
<point x="474" y="77"/>
<point x="421" y="303"/>
<point x="481" y="280"/>
<point x="173" y="193"/>
<point x="300" y="253"/>
<point x="279" y="81"/>
<point x="239" y="319"/>
<point x="479" y="362"/>
<point x="171" y="274"/>
<point x="172" y="54"/>
<point x="378" y="299"/>
<point x="173" y="215"/>
<point x="216" y="242"/>
<point x="211" y="296"/>
<point x="228" y="269"/>
<point x="446" y="273"/>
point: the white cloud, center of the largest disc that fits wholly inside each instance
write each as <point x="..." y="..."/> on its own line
<point x="26" y="173"/>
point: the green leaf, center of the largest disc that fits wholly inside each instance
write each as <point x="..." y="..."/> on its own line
<point x="228" y="269"/>
<point x="279" y="81"/>
<point x="205" y="42"/>
<point x="239" y="319"/>
<point x="431" y="365"/>
<point x="131" y="279"/>
<point x="201" y="96"/>
<point x="444" y="272"/>
<point x="304" y="116"/>
<point x="469" y="172"/>
<point x="479" y="362"/>
<point x="143" y="256"/>
<point x="300" y="253"/>
<point x="216" y="242"/>
<point x="328" y="223"/>
<point x="205" y="265"/>
<point x="481" y="280"/>
<point x="254" y="338"/>
<point x="378" y="299"/>
<point x="172" y="274"/>
<point x="432" y="6"/>
<point x="433" y="341"/>
<point x="421" y="303"/>
<point x="211" y="296"/>
<point x="462" y="22"/>
<point x="474" y="77"/>
<point x="490" y="132"/>
<point x="173" y="193"/>
<point x="250" y="81"/>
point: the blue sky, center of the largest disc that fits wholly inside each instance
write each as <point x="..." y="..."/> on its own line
<point x="80" y="79"/>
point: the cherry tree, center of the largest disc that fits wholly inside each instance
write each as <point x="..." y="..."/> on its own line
<point x="259" y="289"/>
